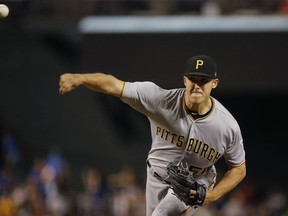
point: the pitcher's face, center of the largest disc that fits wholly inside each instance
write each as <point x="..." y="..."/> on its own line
<point x="198" y="88"/>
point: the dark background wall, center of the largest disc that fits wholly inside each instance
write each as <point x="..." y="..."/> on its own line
<point x="90" y="129"/>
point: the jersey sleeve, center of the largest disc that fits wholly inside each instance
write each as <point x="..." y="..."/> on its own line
<point x="235" y="153"/>
<point x="142" y="96"/>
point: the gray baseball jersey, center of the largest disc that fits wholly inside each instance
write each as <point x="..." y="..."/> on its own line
<point x="178" y="137"/>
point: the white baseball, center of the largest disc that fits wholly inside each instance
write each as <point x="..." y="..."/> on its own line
<point x="4" y="11"/>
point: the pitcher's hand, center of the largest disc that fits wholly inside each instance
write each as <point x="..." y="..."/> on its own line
<point x="68" y="82"/>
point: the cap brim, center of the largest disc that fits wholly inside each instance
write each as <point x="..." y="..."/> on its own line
<point x="199" y="74"/>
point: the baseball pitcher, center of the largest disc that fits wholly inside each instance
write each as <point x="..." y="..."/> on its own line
<point x="190" y="130"/>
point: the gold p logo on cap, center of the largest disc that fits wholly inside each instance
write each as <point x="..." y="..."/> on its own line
<point x="199" y="63"/>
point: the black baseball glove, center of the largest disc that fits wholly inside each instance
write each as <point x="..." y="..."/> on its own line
<point x="182" y="181"/>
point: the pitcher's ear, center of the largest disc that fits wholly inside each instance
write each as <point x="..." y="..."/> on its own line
<point x="215" y="83"/>
<point x="184" y="80"/>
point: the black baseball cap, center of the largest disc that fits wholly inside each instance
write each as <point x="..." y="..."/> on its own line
<point x="201" y="65"/>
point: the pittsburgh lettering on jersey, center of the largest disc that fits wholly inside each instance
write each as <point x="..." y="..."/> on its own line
<point x="170" y="137"/>
<point x="193" y="145"/>
<point x="203" y="149"/>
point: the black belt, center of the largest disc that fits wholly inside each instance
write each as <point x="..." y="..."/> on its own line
<point x="155" y="173"/>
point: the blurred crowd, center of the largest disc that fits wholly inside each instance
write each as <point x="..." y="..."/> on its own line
<point x="45" y="190"/>
<point x="77" y="9"/>
<point x="157" y="7"/>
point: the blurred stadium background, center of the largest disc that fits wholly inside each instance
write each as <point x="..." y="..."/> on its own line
<point x="84" y="154"/>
